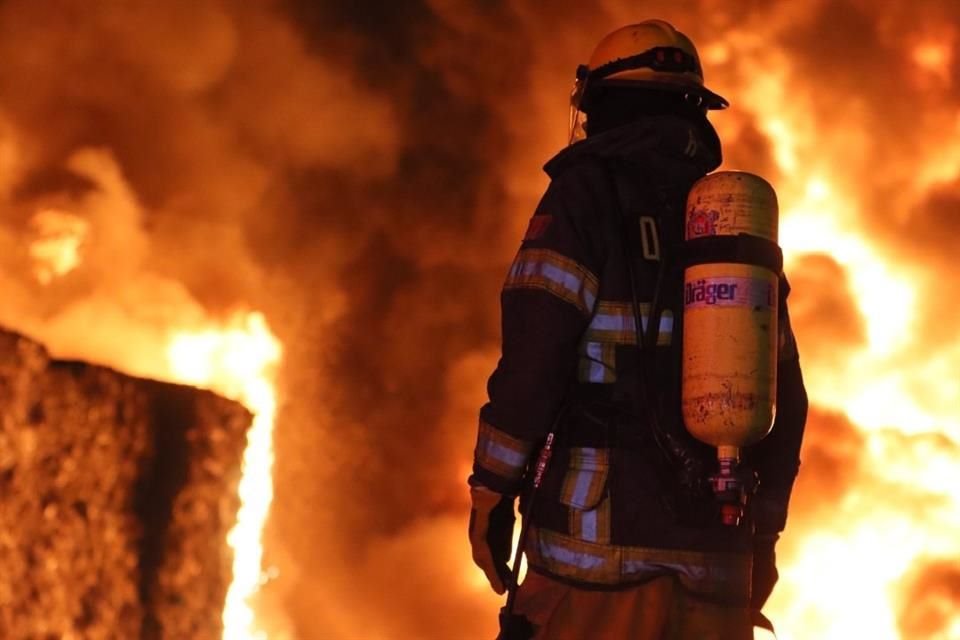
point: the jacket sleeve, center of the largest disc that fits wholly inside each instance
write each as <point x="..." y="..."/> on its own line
<point x="547" y="300"/>
<point x="776" y="458"/>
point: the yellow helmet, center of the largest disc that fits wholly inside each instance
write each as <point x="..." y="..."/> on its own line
<point x="650" y="54"/>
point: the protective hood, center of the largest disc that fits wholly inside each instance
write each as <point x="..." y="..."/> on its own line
<point x="667" y="145"/>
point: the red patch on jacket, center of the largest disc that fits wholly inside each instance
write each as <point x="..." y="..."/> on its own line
<point x="538" y="226"/>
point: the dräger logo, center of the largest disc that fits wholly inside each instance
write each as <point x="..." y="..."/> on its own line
<point x="730" y="291"/>
<point x="700" y="291"/>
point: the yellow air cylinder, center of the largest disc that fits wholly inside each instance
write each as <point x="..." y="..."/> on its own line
<point x="729" y="317"/>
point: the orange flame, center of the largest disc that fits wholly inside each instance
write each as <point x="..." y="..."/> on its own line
<point x="847" y="574"/>
<point x="238" y="360"/>
<point x="934" y="57"/>
<point x="56" y="249"/>
<point x="168" y="337"/>
<point x="844" y="578"/>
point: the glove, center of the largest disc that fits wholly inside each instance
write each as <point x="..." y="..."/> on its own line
<point x="765" y="574"/>
<point x="491" y="534"/>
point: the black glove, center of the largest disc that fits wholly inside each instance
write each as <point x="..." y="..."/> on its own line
<point x="491" y="534"/>
<point x="765" y="574"/>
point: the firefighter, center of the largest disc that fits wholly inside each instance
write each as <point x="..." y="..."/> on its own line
<point x="624" y="539"/>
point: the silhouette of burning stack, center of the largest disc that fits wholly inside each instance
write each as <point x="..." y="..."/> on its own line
<point x="117" y="493"/>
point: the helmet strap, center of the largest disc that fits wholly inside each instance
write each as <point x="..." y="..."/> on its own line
<point x="665" y="59"/>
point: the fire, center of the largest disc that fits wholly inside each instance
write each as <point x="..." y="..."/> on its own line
<point x="848" y="574"/>
<point x="56" y="249"/>
<point x="935" y="58"/>
<point x="204" y="126"/>
<point x="169" y="337"/>
<point x="239" y="360"/>
<point x="844" y="576"/>
<point x="150" y="326"/>
<point x="816" y="224"/>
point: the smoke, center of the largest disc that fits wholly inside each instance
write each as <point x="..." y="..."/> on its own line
<point x="188" y="161"/>
<point x="840" y="460"/>
<point x="831" y="454"/>
<point x="499" y="76"/>
<point x="919" y="237"/>
<point x="888" y="114"/>
<point x="822" y="304"/>
<point x="933" y="597"/>
<point x="363" y="177"/>
<point x="202" y="111"/>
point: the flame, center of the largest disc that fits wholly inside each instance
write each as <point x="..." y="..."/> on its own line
<point x="239" y="360"/>
<point x="934" y="57"/>
<point x="200" y="145"/>
<point x="844" y="576"/>
<point x="237" y="357"/>
<point x="848" y="574"/>
<point x="56" y="249"/>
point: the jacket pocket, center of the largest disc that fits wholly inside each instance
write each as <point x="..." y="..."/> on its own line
<point x="585" y="483"/>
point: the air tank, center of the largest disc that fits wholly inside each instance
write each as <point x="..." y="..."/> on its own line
<point x="730" y="321"/>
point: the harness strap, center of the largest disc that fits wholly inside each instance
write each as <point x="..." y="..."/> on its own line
<point x="740" y="249"/>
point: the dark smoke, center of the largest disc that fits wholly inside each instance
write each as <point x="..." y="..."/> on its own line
<point x="822" y="304"/>
<point x="483" y="104"/>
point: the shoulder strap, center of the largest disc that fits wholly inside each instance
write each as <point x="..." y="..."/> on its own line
<point x="678" y="449"/>
<point x="643" y="338"/>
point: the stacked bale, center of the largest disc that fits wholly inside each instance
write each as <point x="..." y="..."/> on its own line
<point x="117" y="497"/>
<point x="209" y="432"/>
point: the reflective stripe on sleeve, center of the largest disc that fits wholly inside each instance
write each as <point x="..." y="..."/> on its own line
<point x="500" y="453"/>
<point x="553" y="272"/>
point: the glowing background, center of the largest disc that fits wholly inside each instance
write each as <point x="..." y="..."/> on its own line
<point x="361" y="179"/>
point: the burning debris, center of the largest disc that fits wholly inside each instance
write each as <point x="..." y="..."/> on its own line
<point x="118" y="494"/>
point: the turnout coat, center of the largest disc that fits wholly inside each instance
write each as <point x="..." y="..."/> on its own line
<point x="616" y="508"/>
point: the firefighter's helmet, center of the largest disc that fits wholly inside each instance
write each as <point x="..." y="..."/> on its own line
<point x="651" y="54"/>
